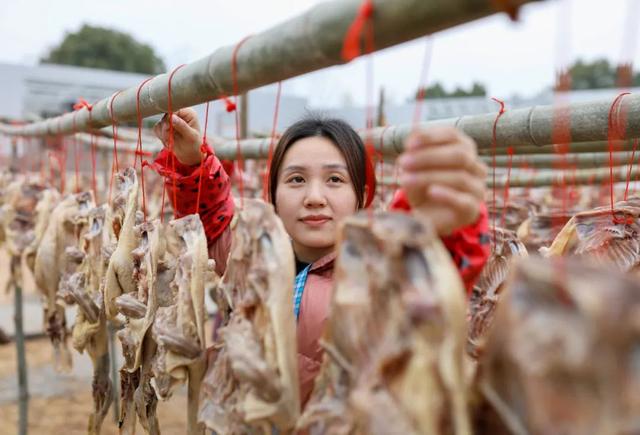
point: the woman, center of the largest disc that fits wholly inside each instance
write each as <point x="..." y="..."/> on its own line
<point x="317" y="178"/>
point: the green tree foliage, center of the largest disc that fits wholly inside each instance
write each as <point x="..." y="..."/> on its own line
<point x="438" y="91"/>
<point x="98" y="47"/>
<point x="600" y="74"/>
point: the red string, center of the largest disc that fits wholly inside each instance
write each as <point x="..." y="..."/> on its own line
<point x="506" y="188"/>
<point x="139" y="119"/>
<point x="494" y="142"/>
<point x="232" y="106"/>
<point x="76" y="154"/>
<point x="265" y="182"/>
<point x="203" y="155"/>
<point x="171" y="144"/>
<point x="139" y="151"/>
<point x="631" y="160"/>
<point x="617" y="124"/>
<point x="422" y="86"/>
<point x="351" y="43"/>
<point x="114" y="129"/>
<point x="82" y="103"/>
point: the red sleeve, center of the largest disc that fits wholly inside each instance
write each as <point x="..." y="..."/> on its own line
<point x="216" y="203"/>
<point x="468" y="246"/>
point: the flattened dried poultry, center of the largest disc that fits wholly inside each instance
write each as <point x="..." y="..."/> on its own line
<point x="541" y="228"/>
<point x="90" y="329"/>
<point x="395" y="337"/>
<point x="119" y="277"/>
<point x="252" y="381"/>
<point x="53" y="263"/>
<point x="179" y="325"/>
<point x="562" y="357"/>
<point x="139" y="310"/>
<point x="513" y="212"/>
<point x="488" y="287"/>
<point x="602" y="237"/>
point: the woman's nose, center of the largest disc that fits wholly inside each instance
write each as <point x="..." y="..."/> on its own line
<point x="314" y="195"/>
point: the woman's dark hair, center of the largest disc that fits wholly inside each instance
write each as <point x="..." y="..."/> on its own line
<point x="343" y="136"/>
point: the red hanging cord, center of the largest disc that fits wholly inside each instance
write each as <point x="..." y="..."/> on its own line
<point x="114" y="165"/>
<point x="203" y="156"/>
<point x="617" y="124"/>
<point x="631" y="160"/>
<point x="171" y="144"/>
<point x="265" y="181"/>
<point x="139" y="151"/>
<point x="351" y="43"/>
<point x="494" y="144"/>
<point x="76" y="154"/>
<point x="506" y="188"/>
<point x="232" y="107"/>
<point x="422" y="84"/>
<point x="82" y="103"/>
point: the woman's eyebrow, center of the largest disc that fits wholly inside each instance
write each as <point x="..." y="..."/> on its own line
<point x="294" y="168"/>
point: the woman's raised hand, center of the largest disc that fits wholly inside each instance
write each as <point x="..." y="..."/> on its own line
<point x="443" y="177"/>
<point x="186" y="135"/>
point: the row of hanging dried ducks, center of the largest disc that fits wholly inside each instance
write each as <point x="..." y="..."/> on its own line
<point x="548" y="343"/>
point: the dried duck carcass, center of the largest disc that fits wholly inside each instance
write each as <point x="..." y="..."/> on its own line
<point x="541" y="228"/>
<point x="122" y="218"/>
<point x="488" y="288"/>
<point x="251" y="384"/>
<point x="178" y="328"/>
<point x="394" y="341"/>
<point x="90" y="329"/>
<point x="55" y="261"/>
<point x="513" y="212"/>
<point x="602" y="236"/>
<point x="138" y="348"/>
<point x="562" y="357"/>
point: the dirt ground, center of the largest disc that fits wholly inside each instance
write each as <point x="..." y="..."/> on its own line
<point x="68" y="413"/>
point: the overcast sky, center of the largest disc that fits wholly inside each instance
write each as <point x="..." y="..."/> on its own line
<point x="508" y="57"/>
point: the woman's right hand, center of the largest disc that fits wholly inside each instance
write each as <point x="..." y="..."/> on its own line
<point x="186" y="135"/>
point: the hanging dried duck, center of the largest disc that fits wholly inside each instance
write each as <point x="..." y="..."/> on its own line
<point x="394" y="343"/>
<point x="251" y="385"/>
<point x="562" y="355"/>
<point x="488" y="288"/>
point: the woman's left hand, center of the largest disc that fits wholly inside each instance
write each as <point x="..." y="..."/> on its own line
<point x="443" y="178"/>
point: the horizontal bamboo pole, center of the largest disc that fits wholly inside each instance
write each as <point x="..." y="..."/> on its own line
<point x="578" y="177"/>
<point x="572" y="148"/>
<point x="558" y="161"/>
<point x="306" y="43"/>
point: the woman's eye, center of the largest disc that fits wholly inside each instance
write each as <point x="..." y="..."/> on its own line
<point x="295" y="179"/>
<point x="336" y="179"/>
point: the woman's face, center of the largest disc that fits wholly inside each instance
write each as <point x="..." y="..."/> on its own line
<point x="314" y="193"/>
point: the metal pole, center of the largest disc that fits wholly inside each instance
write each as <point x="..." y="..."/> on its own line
<point x="244" y="115"/>
<point x="306" y="43"/>
<point x="115" y="378"/>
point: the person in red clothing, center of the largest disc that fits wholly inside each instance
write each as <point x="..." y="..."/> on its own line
<point x="318" y="176"/>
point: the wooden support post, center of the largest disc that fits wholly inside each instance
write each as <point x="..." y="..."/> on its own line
<point x="23" y="387"/>
<point x="115" y="377"/>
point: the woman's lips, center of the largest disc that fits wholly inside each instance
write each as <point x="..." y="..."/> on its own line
<point x="315" y="221"/>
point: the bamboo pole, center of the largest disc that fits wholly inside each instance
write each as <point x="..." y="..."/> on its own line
<point x="578" y="177"/>
<point x="558" y="161"/>
<point x="306" y="43"/>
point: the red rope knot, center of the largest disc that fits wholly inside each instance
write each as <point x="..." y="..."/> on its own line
<point x="501" y="103"/>
<point x="351" y="43"/>
<point x="510" y="151"/>
<point x="80" y="103"/>
<point x="616" y="122"/>
<point x="623" y="220"/>
<point x="229" y="104"/>
<point x="507" y="7"/>
<point x="143" y="153"/>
